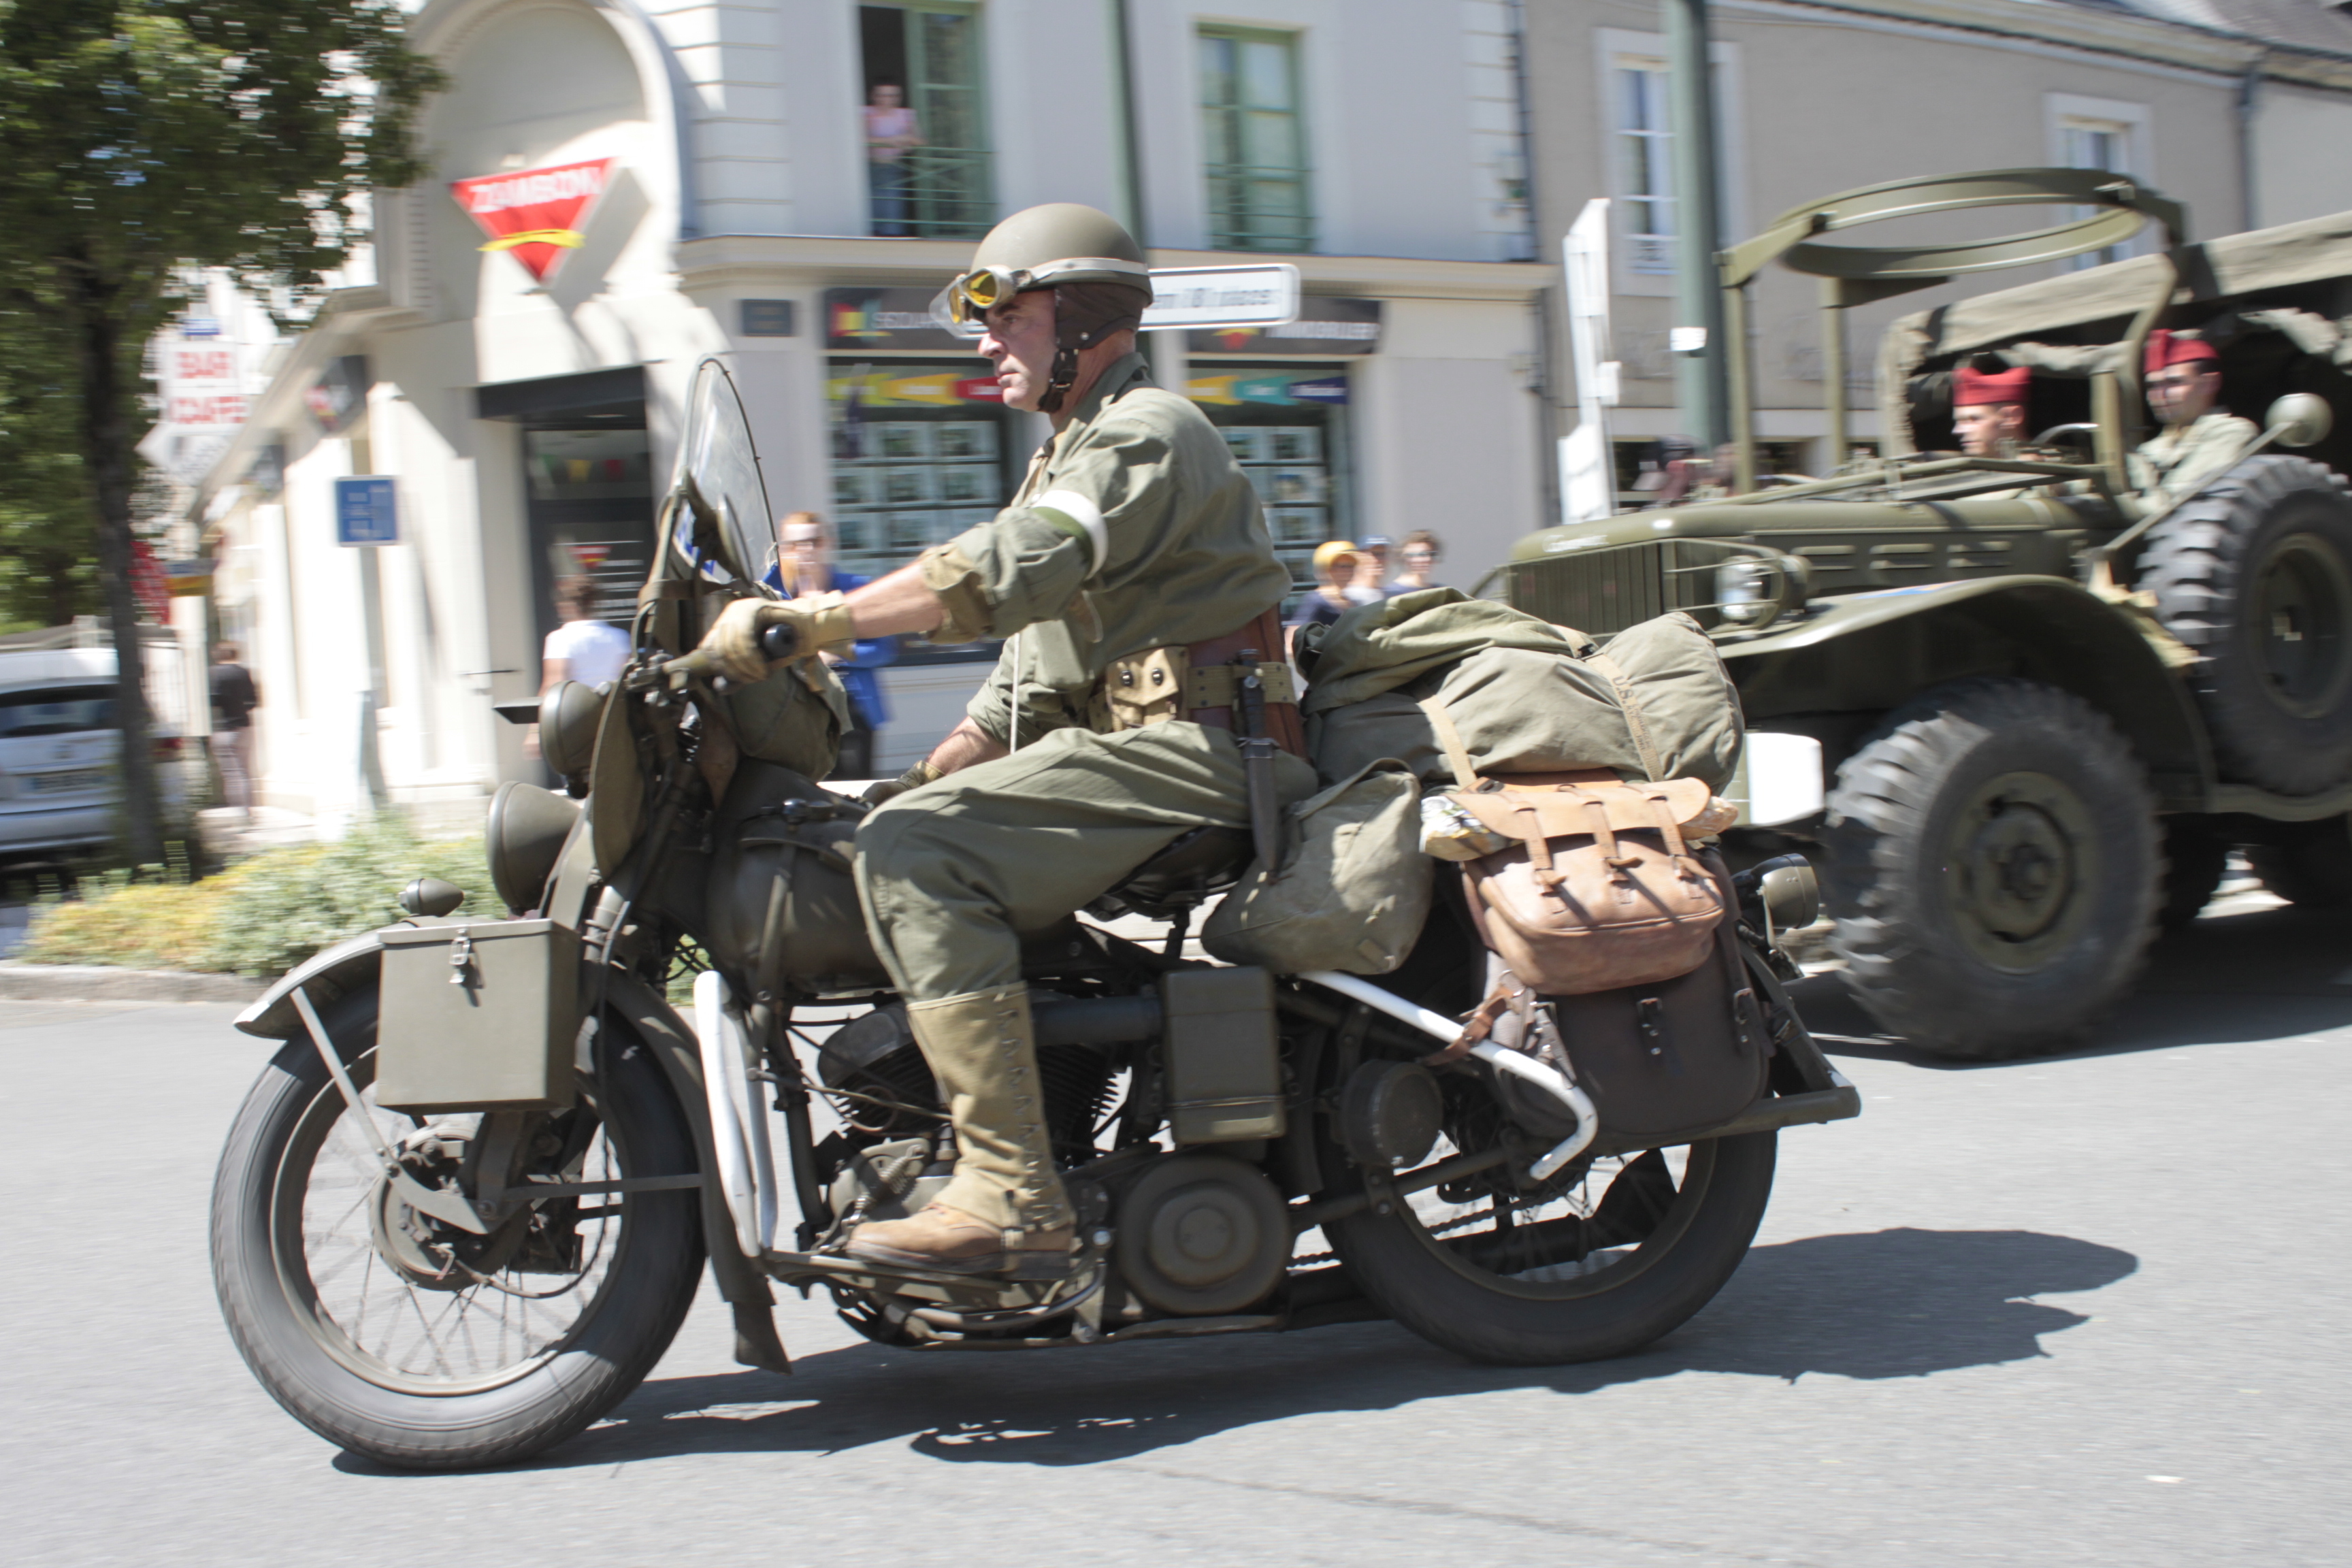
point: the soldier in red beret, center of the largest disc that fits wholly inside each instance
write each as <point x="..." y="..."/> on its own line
<point x="2199" y="442"/>
<point x="1989" y="411"/>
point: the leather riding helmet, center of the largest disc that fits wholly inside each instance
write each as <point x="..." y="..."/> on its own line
<point x="1100" y="281"/>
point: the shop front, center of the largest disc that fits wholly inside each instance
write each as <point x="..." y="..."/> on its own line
<point x="1282" y="396"/>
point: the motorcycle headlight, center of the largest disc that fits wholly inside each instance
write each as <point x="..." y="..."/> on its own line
<point x="568" y="716"/>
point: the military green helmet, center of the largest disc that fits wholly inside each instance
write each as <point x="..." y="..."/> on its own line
<point x="1044" y="247"/>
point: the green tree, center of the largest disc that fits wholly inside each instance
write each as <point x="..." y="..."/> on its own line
<point x="143" y="138"/>
<point x="49" y="536"/>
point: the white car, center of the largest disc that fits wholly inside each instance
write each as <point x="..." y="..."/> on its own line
<point x="58" y="784"/>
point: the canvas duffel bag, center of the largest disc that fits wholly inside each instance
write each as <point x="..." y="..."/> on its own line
<point x="1601" y="889"/>
<point x="1353" y="888"/>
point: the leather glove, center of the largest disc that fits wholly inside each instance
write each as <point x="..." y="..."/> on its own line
<point x="733" y="644"/>
<point x="880" y="790"/>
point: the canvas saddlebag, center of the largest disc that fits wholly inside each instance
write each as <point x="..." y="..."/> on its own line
<point x="1353" y="888"/>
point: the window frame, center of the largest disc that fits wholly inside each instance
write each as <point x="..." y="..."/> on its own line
<point x="2066" y="113"/>
<point x="982" y="195"/>
<point x="1302" y="238"/>
<point x="1613" y="45"/>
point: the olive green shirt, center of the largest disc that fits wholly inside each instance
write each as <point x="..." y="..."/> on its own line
<point x="1134" y="530"/>
<point x="2184" y="459"/>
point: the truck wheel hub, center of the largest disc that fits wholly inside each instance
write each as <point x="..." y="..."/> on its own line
<point x="2016" y="868"/>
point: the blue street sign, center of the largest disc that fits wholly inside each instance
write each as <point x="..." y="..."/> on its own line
<point x="366" y="510"/>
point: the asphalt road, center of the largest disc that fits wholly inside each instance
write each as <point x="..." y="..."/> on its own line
<point x="2080" y="1311"/>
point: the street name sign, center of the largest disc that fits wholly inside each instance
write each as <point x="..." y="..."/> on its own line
<point x="367" y="509"/>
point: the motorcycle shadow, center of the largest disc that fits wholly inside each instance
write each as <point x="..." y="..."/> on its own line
<point x="1883" y="1304"/>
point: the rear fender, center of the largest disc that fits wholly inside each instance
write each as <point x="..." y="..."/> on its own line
<point x="1867" y="653"/>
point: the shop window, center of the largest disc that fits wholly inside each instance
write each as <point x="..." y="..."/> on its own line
<point x="926" y="120"/>
<point x="922" y="451"/>
<point x="1256" y="147"/>
<point x="589" y="496"/>
<point x="1289" y="428"/>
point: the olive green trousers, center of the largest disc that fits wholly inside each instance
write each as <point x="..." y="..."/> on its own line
<point x="953" y="873"/>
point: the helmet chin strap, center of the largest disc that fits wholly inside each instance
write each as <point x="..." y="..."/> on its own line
<point x="1084" y="315"/>
<point x="1057" y="384"/>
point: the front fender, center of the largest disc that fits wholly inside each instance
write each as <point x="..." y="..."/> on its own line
<point x="1867" y="653"/>
<point x="330" y="973"/>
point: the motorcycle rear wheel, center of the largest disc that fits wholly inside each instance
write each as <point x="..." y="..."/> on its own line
<point x="326" y="1311"/>
<point x="1598" y="1264"/>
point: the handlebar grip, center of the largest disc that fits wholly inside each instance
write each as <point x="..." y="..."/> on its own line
<point x="780" y="642"/>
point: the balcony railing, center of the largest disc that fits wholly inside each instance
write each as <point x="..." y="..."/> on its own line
<point x="944" y="192"/>
<point x="1259" y="207"/>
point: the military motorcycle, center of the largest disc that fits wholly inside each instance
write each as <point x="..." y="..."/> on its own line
<point x="464" y="1210"/>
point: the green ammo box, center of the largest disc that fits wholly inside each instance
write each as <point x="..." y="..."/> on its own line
<point x="478" y="1015"/>
<point x="1224" y="1067"/>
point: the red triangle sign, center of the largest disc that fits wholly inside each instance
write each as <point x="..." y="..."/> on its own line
<point x="535" y="214"/>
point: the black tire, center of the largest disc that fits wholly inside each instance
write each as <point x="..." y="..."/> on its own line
<point x="1992" y="869"/>
<point x="334" y="1379"/>
<point x="2254" y="573"/>
<point x="2310" y="867"/>
<point x="2195" y="859"/>
<point x="1653" y="1263"/>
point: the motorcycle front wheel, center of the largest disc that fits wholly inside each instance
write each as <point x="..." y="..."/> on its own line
<point x="1610" y="1254"/>
<point x="416" y="1344"/>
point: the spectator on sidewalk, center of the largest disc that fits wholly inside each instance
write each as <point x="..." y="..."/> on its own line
<point x="1370" y="586"/>
<point x="1337" y="562"/>
<point x="235" y="697"/>
<point x="804" y="567"/>
<point x="1421" y="550"/>
<point x="583" y="648"/>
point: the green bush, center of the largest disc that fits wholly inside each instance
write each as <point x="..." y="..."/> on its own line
<point x="264" y="915"/>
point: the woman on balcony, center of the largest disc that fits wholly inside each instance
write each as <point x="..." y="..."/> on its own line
<point x="890" y="132"/>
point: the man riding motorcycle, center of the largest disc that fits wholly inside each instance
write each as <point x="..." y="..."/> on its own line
<point x="1132" y="570"/>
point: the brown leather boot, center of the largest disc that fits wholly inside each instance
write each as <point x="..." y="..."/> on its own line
<point x="1005" y="1210"/>
<point x="948" y="1241"/>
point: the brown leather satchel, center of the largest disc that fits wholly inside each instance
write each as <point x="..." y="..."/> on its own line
<point x="1603" y="889"/>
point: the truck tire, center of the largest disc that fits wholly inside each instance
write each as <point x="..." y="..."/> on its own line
<point x="1993" y="868"/>
<point x="2310" y="866"/>
<point x="2254" y="573"/>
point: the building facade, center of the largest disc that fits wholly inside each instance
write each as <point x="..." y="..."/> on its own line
<point x="625" y="187"/>
<point x="2237" y="107"/>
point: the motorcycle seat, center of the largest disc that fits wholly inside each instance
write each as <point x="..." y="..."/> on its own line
<point x="1195" y="866"/>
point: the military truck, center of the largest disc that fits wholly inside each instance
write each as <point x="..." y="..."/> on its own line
<point x="2019" y="713"/>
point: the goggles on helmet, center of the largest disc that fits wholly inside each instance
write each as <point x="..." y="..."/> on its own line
<point x="963" y="305"/>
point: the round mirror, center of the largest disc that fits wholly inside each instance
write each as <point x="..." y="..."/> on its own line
<point x="717" y="499"/>
<point x="2301" y="419"/>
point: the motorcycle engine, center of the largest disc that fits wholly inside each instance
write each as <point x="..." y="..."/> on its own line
<point x="1200" y="1234"/>
<point x="876" y="1054"/>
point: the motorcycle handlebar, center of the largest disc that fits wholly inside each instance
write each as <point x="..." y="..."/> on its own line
<point x="778" y="643"/>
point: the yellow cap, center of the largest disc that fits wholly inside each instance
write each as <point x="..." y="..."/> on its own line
<point x="1331" y="549"/>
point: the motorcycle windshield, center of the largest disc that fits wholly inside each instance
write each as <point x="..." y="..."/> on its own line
<point x="718" y="502"/>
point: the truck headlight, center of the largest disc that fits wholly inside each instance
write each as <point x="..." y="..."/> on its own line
<point x="1746" y="589"/>
<point x="1752" y="590"/>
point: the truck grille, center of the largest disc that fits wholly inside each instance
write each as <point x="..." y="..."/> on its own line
<point x="1602" y="592"/>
